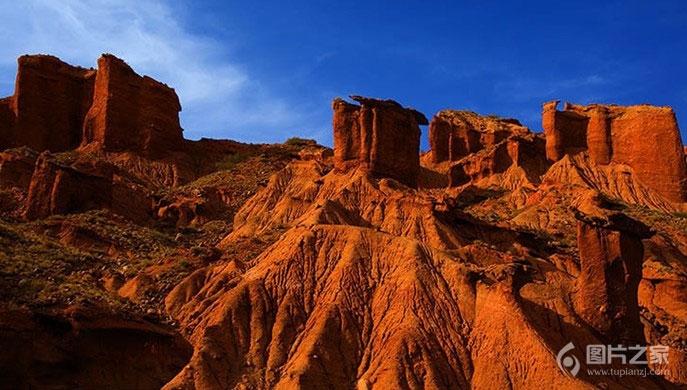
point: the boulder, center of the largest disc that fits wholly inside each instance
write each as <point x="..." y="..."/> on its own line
<point x="378" y="136"/>
<point x="644" y="137"/>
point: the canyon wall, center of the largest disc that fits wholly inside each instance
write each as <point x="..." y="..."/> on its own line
<point x="48" y="106"/>
<point x="378" y="136"/>
<point x="644" y="137"/>
<point x="130" y="112"/>
<point x="58" y="107"/>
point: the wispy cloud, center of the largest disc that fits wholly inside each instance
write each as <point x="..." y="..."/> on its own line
<point x="220" y="98"/>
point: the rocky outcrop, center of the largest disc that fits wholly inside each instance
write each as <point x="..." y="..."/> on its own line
<point x="81" y="185"/>
<point x="7" y="120"/>
<point x="644" y="137"/>
<point x="611" y="257"/>
<point x="130" y="112"/>
<point x="479" y="148"/>
<point x="16" y="167"/>
<point x="516" y="152"/>
<point x="204" y="206"/>
<point x="378" y="136"/>
<point x="618" y="181"/>
<point x="457" y="134"/>
<point x="50" y="101"/>
<point x="58" y="107"/>
<point x="371" y="285"/>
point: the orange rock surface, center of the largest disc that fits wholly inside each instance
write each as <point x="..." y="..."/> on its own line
<point x="131" y="112"/>
<point x="379" y="136"/>
<point x="644" y="137"/>
<point x="58" y="188"/>
<point x="214" y="264"/>
<point x="57" y="107"/>
<point x="478" y="148"/>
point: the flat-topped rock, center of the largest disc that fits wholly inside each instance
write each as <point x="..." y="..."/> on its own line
<point x="378" y="136"/>
<point x="646" y="138"/>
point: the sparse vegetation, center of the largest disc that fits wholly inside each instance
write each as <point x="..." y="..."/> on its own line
<point x="300" y="142"/>
<point x="231" y="160"/>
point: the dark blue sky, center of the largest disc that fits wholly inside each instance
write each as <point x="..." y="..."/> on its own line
<point x="266" y="71"/>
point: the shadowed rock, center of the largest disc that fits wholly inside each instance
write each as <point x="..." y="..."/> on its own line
<point x="81" y="185"/>
<point x="50" y="101"/>
<point x="611" y="257"/>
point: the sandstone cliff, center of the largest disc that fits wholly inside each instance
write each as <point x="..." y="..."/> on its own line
<point x="58" y="107"/>
<point x="472" y="148"/>
<point x="646" y="138"/>
<point x="379" y="136"/>
<point x="131" y="112"/>
<point x="63" y="187"/>
<point x="48" y="107"/>
<point x="216" y="264"/>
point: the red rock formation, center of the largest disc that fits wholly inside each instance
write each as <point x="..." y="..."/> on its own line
<point x="379" y="136"/>
<point x="58" y="107"/>
<point x="611" y="257"/>
<point x="16" y="167"/>
<point x="644" y="137"/>
<point x="7" y="120"/>
<point x="514" y="152"/>
<point x="82" y="185"/>
<point x="132" y="113"/>
<point x="480" y="147"/>
<point x="205" y="206"/>
<point x="47" y="109"/>
<point x="565" y="131"/>
<point x="457" y="134"/>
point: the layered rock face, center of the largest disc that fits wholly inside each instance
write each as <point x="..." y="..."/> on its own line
<point x="48" y="107"/>
<point x="479" y="147"/>
<point x="130" y="112"/>
<point x="457" y="134"/>
<point x="286" y="267"/>
<point x="378" y="136"/>
<point x="644" y="137"/>
<point x="63" y="188"/>
<point x="611" y="257"/>
<point x="58" y="107"/>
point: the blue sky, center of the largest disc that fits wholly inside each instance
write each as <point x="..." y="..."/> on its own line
<point x="266" y="71"/>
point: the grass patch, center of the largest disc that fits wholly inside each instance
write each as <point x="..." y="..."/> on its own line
<point x="300" y="142"/>
<point x="230" y="161"/>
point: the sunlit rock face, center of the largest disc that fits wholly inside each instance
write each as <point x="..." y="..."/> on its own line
<point x="646" y="138"/>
